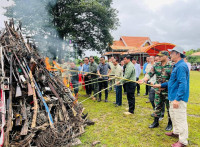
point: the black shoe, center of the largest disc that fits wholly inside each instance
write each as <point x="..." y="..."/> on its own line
<point x="169" y="125"/>
<point x="155" y="123"/>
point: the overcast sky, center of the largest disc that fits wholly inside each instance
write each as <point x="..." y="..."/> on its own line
<point x="174" y="21"/>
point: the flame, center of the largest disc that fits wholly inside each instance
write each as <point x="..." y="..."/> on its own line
<point x="58" y="67"/>
<point x="48" y="66"/>
<point x="51" y="68"/>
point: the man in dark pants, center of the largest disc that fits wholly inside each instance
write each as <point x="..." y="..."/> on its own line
<point x="124" y="85"/>
<point x="93" y="76"/>
<point x="162" y="70"/>
<point x="103" y="69"/>
<point x="130" y="86"/>
<point x="86" y="69"/>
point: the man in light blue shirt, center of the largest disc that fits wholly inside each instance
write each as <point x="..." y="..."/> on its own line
<point x="145" y="65"/>
<point x="80" y="68"/>
<point x="178" y="94"/>
<point x="144" y="72"/>
<point x="86" y="69"/>
<point x="137" y="73"/>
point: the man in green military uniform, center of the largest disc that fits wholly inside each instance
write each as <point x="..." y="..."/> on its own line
<point x="93" y="69"/>
<point x="162" y="70"/>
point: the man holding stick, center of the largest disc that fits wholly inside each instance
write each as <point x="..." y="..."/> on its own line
<point x="178" y="94"/>
<point x="118" y="73"/>
<point x="162" y="70"/>
<point x="86" y="69"/>
<point x="93" y="76"/>
<point x="103" y="69"/>
<point x="130" y="86"/>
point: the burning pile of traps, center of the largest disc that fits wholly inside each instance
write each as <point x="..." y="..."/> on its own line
<point x="36" y="109"/>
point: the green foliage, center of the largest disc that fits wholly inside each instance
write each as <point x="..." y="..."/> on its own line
<point x="78" y="61"/>
<point x="193" y="59"/>
<point x="88" y="22"/>
<point x="96" y="59"/>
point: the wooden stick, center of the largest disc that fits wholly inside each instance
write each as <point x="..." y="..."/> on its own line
<point x="33" y="125"/>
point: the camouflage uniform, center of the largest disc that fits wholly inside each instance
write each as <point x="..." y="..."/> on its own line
<point x="162" y="75"/>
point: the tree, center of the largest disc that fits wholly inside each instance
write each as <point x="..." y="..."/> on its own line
<point x="87" y="23"/>
<point x="193" y="59"/>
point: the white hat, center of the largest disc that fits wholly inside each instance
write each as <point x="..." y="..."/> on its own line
<point x="179" y="50"/>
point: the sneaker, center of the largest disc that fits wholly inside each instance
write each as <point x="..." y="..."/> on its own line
<point x="138" y="94"/>
<point x="127" y="109"/>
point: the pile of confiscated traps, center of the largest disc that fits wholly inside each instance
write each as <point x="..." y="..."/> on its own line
<point x="36" y="109"/>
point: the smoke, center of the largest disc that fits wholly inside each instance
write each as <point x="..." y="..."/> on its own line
<point x="38" y="24"/>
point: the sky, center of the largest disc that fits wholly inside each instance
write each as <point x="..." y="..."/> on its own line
<point x="173" y="21"/>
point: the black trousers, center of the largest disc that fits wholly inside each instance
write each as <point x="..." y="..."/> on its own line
<point x="152" y="97"/>
<point x="138" y="86"/>
<point x="130" y="89"/>
<point x="103" y="85"/>
<point x="124" y="86"/>
<point x="88" y="87"/>
<point x="147" y="89"/>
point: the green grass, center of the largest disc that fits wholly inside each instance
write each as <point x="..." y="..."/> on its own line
<point x="113" y="129"/>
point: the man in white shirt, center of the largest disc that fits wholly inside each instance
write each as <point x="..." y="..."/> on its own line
<point x="188" y="64"/>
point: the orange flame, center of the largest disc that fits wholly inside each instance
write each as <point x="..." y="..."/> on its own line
<point x="58" y="67"/>
<point x="48" y="66"/>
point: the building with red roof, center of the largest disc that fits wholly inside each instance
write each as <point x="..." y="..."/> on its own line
<point x="138" y="47"/>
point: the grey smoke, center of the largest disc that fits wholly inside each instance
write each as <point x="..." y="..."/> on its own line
<point x="36" y="21"/>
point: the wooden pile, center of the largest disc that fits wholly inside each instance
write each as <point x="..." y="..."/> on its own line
<point x="36" y="109"/>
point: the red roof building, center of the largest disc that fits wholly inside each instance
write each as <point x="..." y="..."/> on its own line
<point x="139" y="47"/>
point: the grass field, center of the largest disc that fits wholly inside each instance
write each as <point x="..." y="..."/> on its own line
<point x="113" y="129"/>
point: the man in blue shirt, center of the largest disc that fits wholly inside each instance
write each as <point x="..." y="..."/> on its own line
<point x="144" y="72"/>
<point x="178" y="94"/>
<point x="80" y="68"/>
<point x="86" y="69"/>
<point x="137" y="72"/>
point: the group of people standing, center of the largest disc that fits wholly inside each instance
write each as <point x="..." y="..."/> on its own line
<point x="167" y="83"/>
